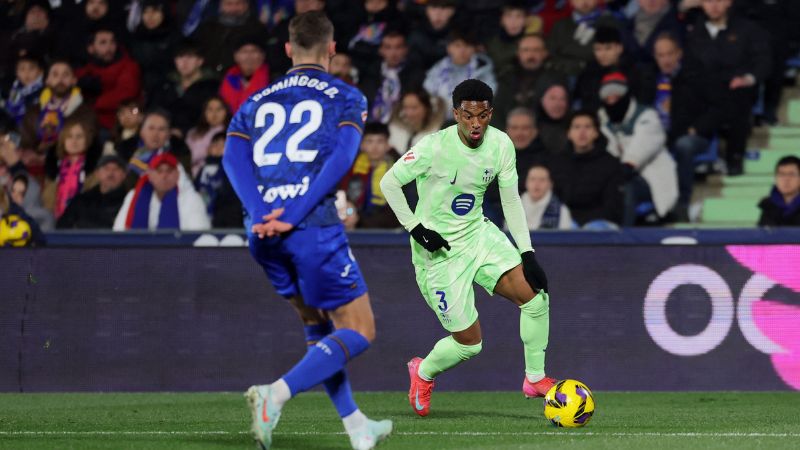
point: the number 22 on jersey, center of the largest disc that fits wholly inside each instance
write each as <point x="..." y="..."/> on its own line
<point x="293" y="153"/>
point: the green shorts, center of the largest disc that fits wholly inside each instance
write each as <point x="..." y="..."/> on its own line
<point x="447" y="284"/>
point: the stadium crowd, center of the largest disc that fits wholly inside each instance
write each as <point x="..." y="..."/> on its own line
<point x="608" y="103"/>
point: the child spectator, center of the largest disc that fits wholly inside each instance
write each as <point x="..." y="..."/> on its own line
<point x="462" y="62"/>
<point x="543" y="209"/>
<point x="25" y="90"/>
<point x="129" y="118"/>
<point x="97" y="207"/>
<point x="362" y="184"/>
<point x="222" y="204"/>
<point x="782" y="207"/>
<point x="156" y="203"/>
<point x="248" y="76"/>
<point x="214" y="120"/>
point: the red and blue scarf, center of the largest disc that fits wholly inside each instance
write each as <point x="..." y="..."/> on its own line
<point x="139" y="211"/>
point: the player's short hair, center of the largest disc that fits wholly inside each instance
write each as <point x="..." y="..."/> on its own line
<point x="472" y="90"/>
<point x="310" y="30"/>
<point x="376" y="128"/>
<point x="788" y="161"/>
<point x="585" y="113"/>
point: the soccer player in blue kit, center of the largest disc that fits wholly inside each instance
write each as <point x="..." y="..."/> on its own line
<point x="287" y="148"/>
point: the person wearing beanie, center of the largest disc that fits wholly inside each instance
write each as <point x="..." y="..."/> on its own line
<point x="158" y="203"/>
<point x="636" y="137"/>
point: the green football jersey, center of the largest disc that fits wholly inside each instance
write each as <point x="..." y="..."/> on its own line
<point x="452" y="180"/>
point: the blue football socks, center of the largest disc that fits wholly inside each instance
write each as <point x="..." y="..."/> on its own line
<point x="337" y="385"/>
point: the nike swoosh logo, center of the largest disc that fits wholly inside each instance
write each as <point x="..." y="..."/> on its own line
<point x="264" y="415"/>
<point x="454" y="178"/>
<point x="416" y="401"/>
<point x="425" y="239"/>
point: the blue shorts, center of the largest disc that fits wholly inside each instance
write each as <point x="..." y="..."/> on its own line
<point x="315" y="262"/>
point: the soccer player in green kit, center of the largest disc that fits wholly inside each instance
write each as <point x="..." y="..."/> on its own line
<point x="453" y="244"/>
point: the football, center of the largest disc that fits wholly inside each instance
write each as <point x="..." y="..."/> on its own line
<point x="14" y="231"/>
<point x="569" y="404"/>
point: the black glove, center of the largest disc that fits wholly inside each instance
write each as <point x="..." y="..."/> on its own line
<point x="534" y="272"/>
<point x="628" y="172"/>
<point x="429" y="239"/>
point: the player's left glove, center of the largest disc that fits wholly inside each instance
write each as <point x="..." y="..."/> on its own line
<point x="429" y="239"/>
<point x="533" y="272"/>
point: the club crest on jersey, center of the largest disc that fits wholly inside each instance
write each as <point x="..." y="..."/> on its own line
<point x="488" y="174"/>
<point x="409" y="157"/>
<point x="463" y="204"/>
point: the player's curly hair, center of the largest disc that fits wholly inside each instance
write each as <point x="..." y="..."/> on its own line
<point x="472" y="90"/>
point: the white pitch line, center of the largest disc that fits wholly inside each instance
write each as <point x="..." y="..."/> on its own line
<point x="398" y="433"/>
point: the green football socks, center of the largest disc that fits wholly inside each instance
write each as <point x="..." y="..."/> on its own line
<point x="446" y="354"/>
<point x="534" y="328"/>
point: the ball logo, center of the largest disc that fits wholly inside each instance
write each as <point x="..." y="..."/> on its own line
<point x="463" y="204"/>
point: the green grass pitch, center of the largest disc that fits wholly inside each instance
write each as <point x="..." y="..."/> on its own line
<point x="458" y="420"/>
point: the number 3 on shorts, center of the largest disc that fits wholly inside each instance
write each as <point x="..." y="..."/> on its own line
<point x="442" y="301"/>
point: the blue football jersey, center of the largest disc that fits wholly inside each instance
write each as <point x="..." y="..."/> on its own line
<point x="291" y="127"/>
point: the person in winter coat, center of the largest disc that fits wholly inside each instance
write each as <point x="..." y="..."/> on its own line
<point x="636" y="137"/>
<point x="782" y="207"/>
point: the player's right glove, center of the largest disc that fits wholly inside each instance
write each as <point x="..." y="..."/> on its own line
<point x="533" y="271"/>
<point x="429" y="239"/>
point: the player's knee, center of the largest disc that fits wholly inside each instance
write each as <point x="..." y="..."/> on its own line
<point x="466" y="352"/>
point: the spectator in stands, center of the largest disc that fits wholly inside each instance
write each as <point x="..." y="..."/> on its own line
<point x="462" y="62"/>
<point x="129" y="118"/>
<point x="221" y="36"/>
<point x="570" y="40"/>
<point x="553" y="117"/>
<point x="381" y="16"/>
<point x="36" y="36"/>
<point x="222" y="204"/>
<point x="428" y="42"/>
<point x="636" y="138"/>
<point x="11" y="168"/>
<point x="342" y="67"/>
<point x="415" y="117"/>
<point x="521" y="128"/>
<point x="543" y="209"/>
<point x="152" y="43"/>
<point x="669" y="92"/>
<point x="726" y="58"/>
<point x="214" y="120"/>
<point x="154" y="139"/>
<point x="524" y="84"/>
<point x="113" y="75"/>
<point x="186" y="89"/>
<point x="545" y="14"/>
<point x="81" y="25"/>
<point x="279" y="63"/>
<point x="69" y="165"/>
<point x="501" y="48"/>
<point x="653" y="18"/>
<point x="362" y="183"/>
<point x="97" y="207"/>
<point x="384" y="82"/>
<point x="156" y="203"/>
<point x="25" y="90"/>
<point x="608" y="57"/>
<point x="586" y="177"/>
<point x="59" y="101"/>
<point x="248" y="76"/>
<point x="782" y="207"/>
<point x="11" y="204"/>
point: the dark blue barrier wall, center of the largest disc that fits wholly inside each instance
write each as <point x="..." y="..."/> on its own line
<point x="623" y="317"/>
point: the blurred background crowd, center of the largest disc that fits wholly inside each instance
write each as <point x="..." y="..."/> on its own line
<point x="618" y="110"/>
